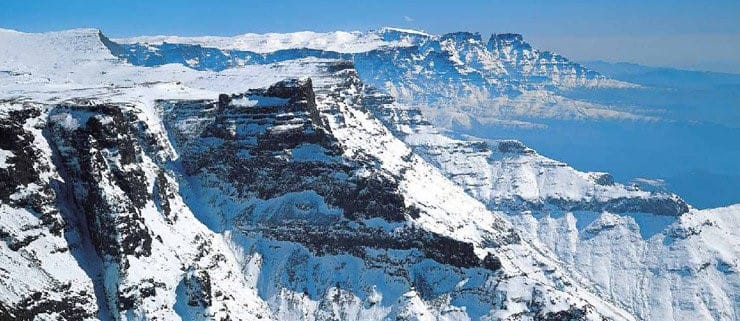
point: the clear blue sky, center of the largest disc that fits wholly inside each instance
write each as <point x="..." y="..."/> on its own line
<point x="688" y="34"/>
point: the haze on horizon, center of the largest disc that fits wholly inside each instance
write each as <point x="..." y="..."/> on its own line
<point x="670" y="33"/>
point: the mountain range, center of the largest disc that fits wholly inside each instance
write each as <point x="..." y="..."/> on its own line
<point x="329" y="176"/>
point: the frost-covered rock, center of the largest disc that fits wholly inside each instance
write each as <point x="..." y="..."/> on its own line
<point x="168" y="192"/>
<point x="629" y="243"/>
<point x="39" y="244"/>
<point x="101" y="247"/>
<point x="351" y="203"/>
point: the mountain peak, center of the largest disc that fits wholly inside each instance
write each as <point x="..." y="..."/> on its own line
<point x="507" y="37"/>
<point x="462" y="36"/>
<point x="502" y="41"/>
<point x="34" y="52"/>
<point x="58" y="32"/>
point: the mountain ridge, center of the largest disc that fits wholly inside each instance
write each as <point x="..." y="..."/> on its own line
<point x="168" y="145"/>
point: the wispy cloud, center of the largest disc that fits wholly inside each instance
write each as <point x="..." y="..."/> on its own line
<point x="657" y="182"/>
<point x="408" y="19"/>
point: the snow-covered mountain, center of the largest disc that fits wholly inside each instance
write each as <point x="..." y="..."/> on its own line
<point x="275" y="177"/>
<point x="648" y="251"/>
<point x="457" y="76"/>
<point x="502" y="59"/>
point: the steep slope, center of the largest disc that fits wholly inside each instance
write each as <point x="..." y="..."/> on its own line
<point x="507" y="174"/>
<point x="82" y="235"/>
<point x="138" y="197"/>
<point x="648" y="251"/>
<point x="353" y="190"/>
<point x="136" y="220"/>
<point x="38" y="254"/>
<point x="457" y="79"/>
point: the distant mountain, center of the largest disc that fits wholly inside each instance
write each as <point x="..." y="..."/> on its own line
<point x="661" y="76"/>
<point x="459" y="71"/>
<point x="505" y="62"/>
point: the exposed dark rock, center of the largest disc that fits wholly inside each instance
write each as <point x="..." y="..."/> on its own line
<point x="262" y="162"/>
<point x="198" y="288"/>
<point x="604" y="179"/>
<point x="223" y="100"/>
<point x="572" y="314"/>
<point x="101" y="155"/>
<point x="21" y="170"/>
<point x="131" y="296"/>
<point x="513" y="146"/>
<point x="340" y="239"/>
<point x="491" y="262"/>
<point x="341" y="65"/>
<point x="72" y="307"/>
<point x="24" y="168"/>
<point x="669" y="205"/>
<point x="163" y="195"/>
<point x="461" y="37"/>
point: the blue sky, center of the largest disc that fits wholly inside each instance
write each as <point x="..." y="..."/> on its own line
<point x="685" y="34"/>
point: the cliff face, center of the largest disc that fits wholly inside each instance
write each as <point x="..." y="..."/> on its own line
<point x="290" y="201"/>
<point x="295" y="191"/>
<point x="36" y="248"/>
<point x="632" y="244"/>
<point x="506" y="174"/>
<point x="328" y="202"/>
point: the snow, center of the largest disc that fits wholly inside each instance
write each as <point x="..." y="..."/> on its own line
<point x="5" y="155"/>
<point x="478" y="226"/>
<point x="301" y="205"/>
<point x="285" y="127"/>
<point x="610" y="261"/>
<point x="619" y="256"/>
<point x="338" y="41"/>
<point x="657" y="276"/>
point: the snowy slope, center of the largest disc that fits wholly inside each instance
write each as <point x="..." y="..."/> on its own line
<point x="458" y="79"/>
<point x="649" y="251"/>
<point x="686" y="270"/>
<point x="338" y="101"/>
<point x="338" y="41"/>
<point x="159" y="238"/>
<point x="317" y="199"/>
<point x="507" y="174"/>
